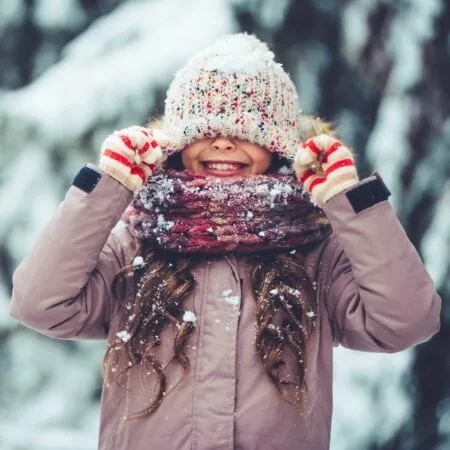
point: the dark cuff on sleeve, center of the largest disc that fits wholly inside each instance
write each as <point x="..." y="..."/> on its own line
<point x="368" y="194"/>
<point x="86" y="179"/>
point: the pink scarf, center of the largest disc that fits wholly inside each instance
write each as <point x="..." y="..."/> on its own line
<point x="184" y="212"/>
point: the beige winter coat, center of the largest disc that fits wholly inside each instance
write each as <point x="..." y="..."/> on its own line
<point x="373" y="293"/>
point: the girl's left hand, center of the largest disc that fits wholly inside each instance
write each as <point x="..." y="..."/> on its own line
<point x="325" y="167"/>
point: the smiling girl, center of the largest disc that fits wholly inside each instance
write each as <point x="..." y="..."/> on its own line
<point x="249" y="249"/>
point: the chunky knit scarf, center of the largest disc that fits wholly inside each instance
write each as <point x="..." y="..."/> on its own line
<point x="184" y="212"/>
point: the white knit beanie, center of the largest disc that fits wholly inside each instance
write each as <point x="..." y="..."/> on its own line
<point x="233" y="88"/>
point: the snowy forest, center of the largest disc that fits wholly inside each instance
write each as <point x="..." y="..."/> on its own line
<point x="72" y="71"/>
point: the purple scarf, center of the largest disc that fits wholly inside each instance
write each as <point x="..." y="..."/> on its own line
<point x="184" y="212"/>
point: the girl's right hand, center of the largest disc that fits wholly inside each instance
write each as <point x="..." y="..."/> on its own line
<point x="325" y="167"/>
<point x="132" y="155"/>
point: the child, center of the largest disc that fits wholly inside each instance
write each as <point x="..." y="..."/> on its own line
<point x="250" y="249"/>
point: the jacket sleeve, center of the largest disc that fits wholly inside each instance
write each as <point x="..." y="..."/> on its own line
<point x="63" y="287"/>
<point x="380" y="296"/>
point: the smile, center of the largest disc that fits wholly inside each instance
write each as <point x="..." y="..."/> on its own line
<point x="223" y="165"/>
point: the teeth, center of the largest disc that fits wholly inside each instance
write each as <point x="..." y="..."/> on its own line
<point x="222" y="166"/>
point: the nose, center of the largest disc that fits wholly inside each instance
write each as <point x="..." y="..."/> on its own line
<point x="222" y="144"/>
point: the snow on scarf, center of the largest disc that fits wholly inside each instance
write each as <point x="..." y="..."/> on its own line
<point x="185" y="212"/>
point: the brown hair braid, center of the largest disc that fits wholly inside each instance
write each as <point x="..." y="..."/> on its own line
<point x="154" y="298"/>
<point x="286" y="309"/>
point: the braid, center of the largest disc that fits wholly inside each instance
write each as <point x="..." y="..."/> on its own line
<point x="155" y="299"/>
<point x="285" y="311"/>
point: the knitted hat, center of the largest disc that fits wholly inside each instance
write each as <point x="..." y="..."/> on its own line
<point x="233" y="88"/>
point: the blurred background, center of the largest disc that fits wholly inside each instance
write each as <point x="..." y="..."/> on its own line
<point x="71" y="71"/>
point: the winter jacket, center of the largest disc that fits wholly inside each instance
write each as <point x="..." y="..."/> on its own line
<point x="373" y="294"/>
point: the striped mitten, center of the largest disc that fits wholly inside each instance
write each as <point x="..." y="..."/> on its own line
<point x="325" y="167"/>
<point x="131" y="156"/>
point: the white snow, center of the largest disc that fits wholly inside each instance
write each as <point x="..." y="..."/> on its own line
<point x="43" y="413"/>
<point x="437" y="238"/>
<point x="138" y="262"/>
<point x="369" y="392"/>
<point x="189" y="316"/>
<point x="228" y="297"/>
<point x="233" y="300"/>
<point x="233" y="53"/>
<point x="115" y="66"/>
<point x="413" y="26"/>
<point x="124" y="335"/>
<point x="52" y="16"/>
<point x="355" y="27"/>
<point x="388" y="148"/>
<point x="269" y="13"/>
<point x="162" y="224"/>
<point x="314" y="59"/>
<point x="12" y="12"/>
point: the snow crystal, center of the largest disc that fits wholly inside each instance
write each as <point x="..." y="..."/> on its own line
<point x="293" y="291"/>
<point x="311" y="314"/>
<point x="219" y="195"/>
<point x="189" y="316"/>
<point x="163" y="224"/>
<point x="138" y="262"/>
<point x="280" y="190"/>
<point x="262" y="189"/>
<point x="165" y="188"/>
<point x="233" y="300"/>
<point x="273" y="292"/>
<point x="124" y="335"/>
<point x="285" y="170"/>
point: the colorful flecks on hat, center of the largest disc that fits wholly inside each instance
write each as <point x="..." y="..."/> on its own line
<point x="233" y="88"/>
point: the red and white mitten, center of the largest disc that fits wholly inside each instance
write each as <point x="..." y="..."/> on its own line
<point x="132" y="155"/>
<point x="325" y="167"/>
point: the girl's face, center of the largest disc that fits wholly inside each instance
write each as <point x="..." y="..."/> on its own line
<point x="226" y="157"/>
